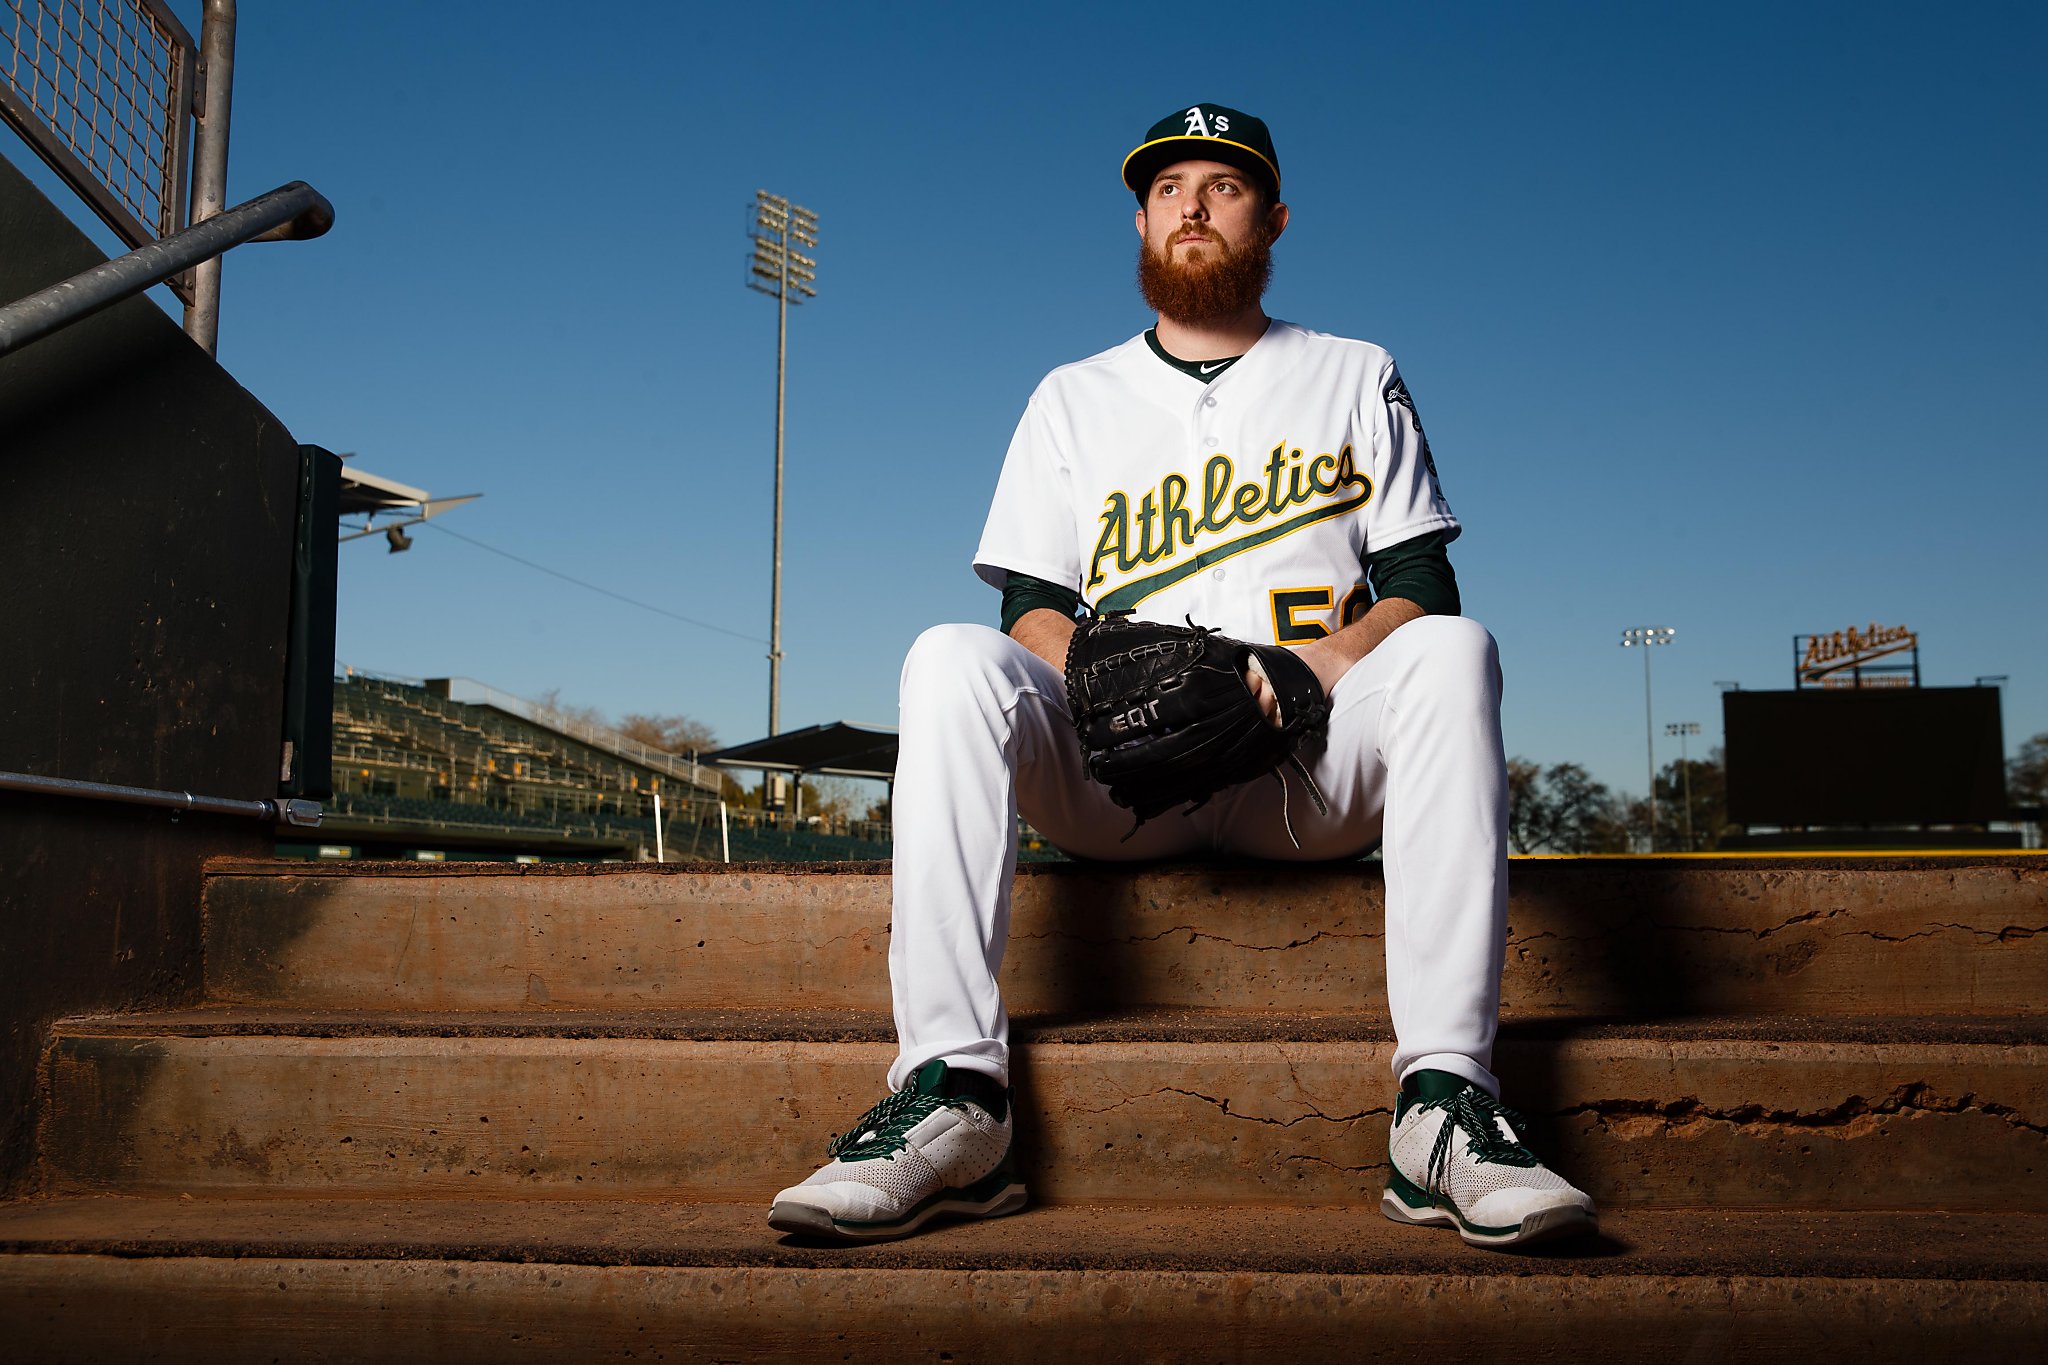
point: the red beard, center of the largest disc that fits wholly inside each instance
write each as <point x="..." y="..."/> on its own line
<point x="1222" y="284"/>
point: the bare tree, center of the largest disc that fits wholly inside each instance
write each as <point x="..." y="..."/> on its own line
<point x="554" y="711"/>
<point x="2026" y="776"/>
<point x="1561" y="809"/>
<point x="1705" y="782"/>
<point x="670" y="734"/>
<point x="838" y="797"/>
<point x="1527" y="817"/>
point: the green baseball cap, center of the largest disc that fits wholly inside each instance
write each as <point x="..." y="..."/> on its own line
<point x="1204" y="132"/>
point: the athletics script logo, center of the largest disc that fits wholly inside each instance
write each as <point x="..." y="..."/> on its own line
<point x="1161" y="525"/>
<point x="1826" y="655"/>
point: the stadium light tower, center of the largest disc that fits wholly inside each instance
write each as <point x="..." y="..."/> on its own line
<point x="786" y="275"/>
<point x="1644" y="637"/>
<point x="1683" y="728"/>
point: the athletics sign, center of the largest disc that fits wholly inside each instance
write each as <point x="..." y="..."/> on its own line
<point x="1845" y="658"/>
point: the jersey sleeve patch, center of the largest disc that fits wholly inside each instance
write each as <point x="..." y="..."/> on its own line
<point x="1397" y="396"/>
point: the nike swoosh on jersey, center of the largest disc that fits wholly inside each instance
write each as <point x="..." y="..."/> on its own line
<point x="1211" y="369"/>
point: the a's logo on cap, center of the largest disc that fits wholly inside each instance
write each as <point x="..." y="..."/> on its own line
<point x="1201" y="125"/>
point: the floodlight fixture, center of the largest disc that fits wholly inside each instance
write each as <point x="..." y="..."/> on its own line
<point x="1684" y="729"/>
<point x="786" y="275"/>
<point x="1645" y="636"/>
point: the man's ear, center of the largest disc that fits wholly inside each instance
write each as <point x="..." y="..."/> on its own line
<point x="1276" y="220"/>
<point x="1141" y="222"/>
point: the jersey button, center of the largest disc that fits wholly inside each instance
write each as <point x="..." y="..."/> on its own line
<point x="1210" y="401"/>
<point x="1216" y="573"/>
<point x="1209" y="441"/>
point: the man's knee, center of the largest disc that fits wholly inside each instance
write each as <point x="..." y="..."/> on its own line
<point x="1454" y="651"/>
<point x="951" y="657"/>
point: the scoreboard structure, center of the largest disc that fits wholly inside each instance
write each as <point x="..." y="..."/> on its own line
<point x="1859" y="746"/>
<point x="1865" y="757"/>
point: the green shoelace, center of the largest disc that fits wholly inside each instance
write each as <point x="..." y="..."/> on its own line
<point x="881" y="1130"/>
<point x="1476" y="1112"/>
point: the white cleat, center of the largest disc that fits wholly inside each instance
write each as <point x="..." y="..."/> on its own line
<point x="939" y="1147"/>
<point x="1459" y="1160"/>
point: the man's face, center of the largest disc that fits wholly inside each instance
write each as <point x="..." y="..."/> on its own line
<point x="1194" y="204"/>
<point x="1206" y="231"/>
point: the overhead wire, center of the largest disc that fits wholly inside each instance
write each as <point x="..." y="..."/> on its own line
<point x="593" y="587"/>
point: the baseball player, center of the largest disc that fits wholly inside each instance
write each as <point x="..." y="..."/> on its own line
<point x="1273" y="483"/>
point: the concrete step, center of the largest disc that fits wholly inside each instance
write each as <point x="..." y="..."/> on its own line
<point x="458" y="1281"/>
<point x="1894" y="1114"/>
<point x="1619" y="938"/>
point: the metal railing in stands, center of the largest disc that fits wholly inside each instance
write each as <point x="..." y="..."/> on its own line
<point x="472" y="692"/>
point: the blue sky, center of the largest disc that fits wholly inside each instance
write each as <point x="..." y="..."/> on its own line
<point x="1726" y="318"/>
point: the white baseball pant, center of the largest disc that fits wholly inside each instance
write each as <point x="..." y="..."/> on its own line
<point x="1412" y="761"/>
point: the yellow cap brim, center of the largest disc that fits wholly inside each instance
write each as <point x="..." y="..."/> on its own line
<point x="1194" y="144"/>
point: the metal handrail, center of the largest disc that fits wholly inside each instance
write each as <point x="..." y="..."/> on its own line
<point x="279" y="811"/>
<point x="294" y="212"/>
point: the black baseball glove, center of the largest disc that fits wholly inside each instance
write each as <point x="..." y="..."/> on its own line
<point x="1166" y="718"/>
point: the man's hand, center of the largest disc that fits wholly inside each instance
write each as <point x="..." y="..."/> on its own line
<point x="1045" y="633"/>
<point x="1331" y="657"/>
<point x="1262" y="693"/>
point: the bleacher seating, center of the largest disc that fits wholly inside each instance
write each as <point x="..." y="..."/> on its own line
<point x="418" y="762"/>
<point x="394" y="738"/>
<point x="692" y="842"/>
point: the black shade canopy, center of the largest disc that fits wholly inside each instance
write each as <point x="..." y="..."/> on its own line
<point x="836" y="749"/>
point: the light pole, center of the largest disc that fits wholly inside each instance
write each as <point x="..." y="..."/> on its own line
<point x="1644" y="637"/>
<point x="1683" y="728"/>
<point x="786" y="275"/>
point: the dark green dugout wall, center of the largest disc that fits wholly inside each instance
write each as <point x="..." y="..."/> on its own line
<point x="149" y="510"/>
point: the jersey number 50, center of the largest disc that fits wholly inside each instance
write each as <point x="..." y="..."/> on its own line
<point x="1289" y="605"/>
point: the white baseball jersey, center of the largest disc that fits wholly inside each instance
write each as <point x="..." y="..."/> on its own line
<point x="1248" y="503"/>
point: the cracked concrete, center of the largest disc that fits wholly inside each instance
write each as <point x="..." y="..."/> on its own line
<point x="1853" y="1116"/>
<point x="1730" y="1123"/>
<point x="1194" y="934"/>
<point x="1612" y="940"/>
<point x="2008" y="934"/>
<point x="1818" y="1102"/>
<point x="1765" y="931"/>
<point x="1222" y="1106"/>
<point x="1084" y="1302"/>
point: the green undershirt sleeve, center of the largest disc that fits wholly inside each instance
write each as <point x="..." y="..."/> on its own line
<point x="1418" y="570"/>
<point x="1023" y="593"/>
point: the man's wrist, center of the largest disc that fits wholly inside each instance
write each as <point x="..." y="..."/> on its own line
<point x="1332" y="656"/>
<point x="1045" y="633"/>
<point x="1326" y="660"/>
